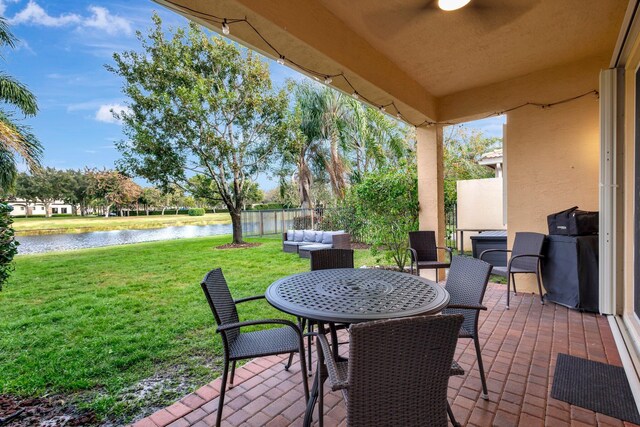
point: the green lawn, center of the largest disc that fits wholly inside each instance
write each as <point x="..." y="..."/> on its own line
<point x="79" y="224"/>
<point x="92" y="324"/>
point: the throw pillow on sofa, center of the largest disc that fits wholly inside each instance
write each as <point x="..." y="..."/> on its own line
<point x="319" y="235"/>
<point x="309" y="236"/>
<point x="290" y="235"/>
<point x="298" y="235"/>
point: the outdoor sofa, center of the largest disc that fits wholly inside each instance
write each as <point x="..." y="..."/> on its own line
<point x="304" y="241"/>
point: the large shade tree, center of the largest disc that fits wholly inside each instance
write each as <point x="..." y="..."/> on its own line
<point x="199" y="105"/>
<point x="16" y="139"/>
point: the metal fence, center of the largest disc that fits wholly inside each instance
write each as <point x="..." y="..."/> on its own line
<point x="451" y="226"/>
<point x="269" y="222"/>
<point x="277" y="221"/>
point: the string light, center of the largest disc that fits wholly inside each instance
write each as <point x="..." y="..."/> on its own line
<point x="328" y="78"/>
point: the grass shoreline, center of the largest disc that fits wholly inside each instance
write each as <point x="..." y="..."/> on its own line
<point x="73" y="225"/>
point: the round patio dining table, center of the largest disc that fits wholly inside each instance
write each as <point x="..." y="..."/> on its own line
<point x="347" y="295"/>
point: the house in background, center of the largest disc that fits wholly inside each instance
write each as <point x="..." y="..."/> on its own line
<point x="22" y="208"/>
<point x="493" y="159"/>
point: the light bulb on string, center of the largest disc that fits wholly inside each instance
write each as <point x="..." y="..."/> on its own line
<point x="280" y="60"/>
<point x="328" y="80"/>
<point x="225" y="28"/>
<point x="355" y="94"/>
<point x="382" y="108"/>
<point x="398" y="115"/>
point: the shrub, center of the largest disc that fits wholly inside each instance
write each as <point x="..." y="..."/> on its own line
<point x="386" y="209"/>
<point x="196" y="212"/>
<point x="8" y="244"/>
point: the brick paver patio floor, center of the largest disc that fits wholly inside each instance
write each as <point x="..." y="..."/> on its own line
<point x="519" y="349"/>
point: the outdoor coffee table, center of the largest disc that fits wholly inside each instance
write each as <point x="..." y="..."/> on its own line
<point x="347" y="295"/>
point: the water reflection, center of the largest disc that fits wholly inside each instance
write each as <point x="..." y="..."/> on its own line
<point x="67" y="242"/>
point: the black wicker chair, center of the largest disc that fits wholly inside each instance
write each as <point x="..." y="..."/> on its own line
<point x="324" y="259"/>
<point x="247" y="345"/>
<point x="466" y="284"/>
<point x="424" y="252"/>
<point x="397" y="373"/>
<point x="525" y="259"/>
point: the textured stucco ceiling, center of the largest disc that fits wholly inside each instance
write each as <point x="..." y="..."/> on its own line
<point x="486" y="42"/>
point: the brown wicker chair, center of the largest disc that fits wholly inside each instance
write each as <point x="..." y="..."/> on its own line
<point x="397" y="373"/>
<point x="466" y="284"/>
<point x="424" y="252"/>
<point x="525" y="259"/>
<point x="247" y="345"/>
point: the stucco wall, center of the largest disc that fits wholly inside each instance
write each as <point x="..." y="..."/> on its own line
<point x="480" y="206"/>
<point x="553" y="164"/>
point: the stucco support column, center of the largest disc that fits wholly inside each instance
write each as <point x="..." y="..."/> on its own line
<point x="431" y="182"/>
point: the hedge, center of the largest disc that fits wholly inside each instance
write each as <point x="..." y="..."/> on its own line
<point x="8" y="245"/>
<point x="196" y="212"/>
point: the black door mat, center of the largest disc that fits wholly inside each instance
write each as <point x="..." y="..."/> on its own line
<point x="596" y="386"/>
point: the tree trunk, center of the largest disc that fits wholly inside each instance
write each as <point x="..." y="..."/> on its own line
<point x="177" y="209"/>
<point x="106" y="211"/>
<point x="236" y="225"/>
<point x="163" y="208"/>
<point x="47" y="209"/>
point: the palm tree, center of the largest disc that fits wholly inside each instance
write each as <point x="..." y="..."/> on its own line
<point x="374" y="140"/>
<point x="15" y="139"/>
<point x="332" y="114"/>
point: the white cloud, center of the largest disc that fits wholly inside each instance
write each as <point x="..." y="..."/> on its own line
<point x="3" y="6"/>
<point x="34" y="14"/>
<point x="103" y="20"/>
<point x="99" y="19"/>
<point x="105" y="115"/>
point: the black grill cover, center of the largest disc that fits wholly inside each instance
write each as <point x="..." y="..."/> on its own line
<point x="570" y="271"/>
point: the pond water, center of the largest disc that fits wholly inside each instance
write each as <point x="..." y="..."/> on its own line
<point x="67" y="242"/>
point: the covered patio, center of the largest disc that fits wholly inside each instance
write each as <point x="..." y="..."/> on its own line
<point x="520" y="347"/>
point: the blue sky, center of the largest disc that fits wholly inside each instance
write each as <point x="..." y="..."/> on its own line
<point x="63" y="48"/>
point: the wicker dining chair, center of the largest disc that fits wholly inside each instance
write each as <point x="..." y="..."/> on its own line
<point x="247" y="345"/>
<point x="466" y="284"/>
<point x="525" y="259"/>
<point x="424" y="251"/>
<point x="324" y="259"/>
<point x="397" y="373"/>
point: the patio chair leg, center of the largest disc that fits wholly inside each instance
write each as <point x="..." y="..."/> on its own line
<point x="540" y="288"/>
<point x="303" y="367"/>
<point x="452" y="418"/>
<point x="508" y="288"/>
<point x="513" y="280"/>
<point x="485" y="392"/>
<point x="233" y="373"/>
<point x="288" y="365"/>
<point x="225" y="373"/>
<point x="309" y="346"/>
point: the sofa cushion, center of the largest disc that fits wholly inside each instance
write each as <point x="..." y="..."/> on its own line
<point x="316" y="246"/>
<point x="288" y="243"/>
<point x="290" y="235"/>
<point x="319" y="236"/>
<point x="327" y="237"/>
<point x="309" y="236"/>
<point x="298" y="235"/>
